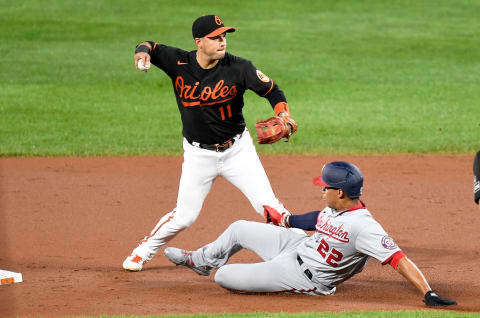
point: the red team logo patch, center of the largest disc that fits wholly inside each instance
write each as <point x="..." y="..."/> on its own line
<point x="218" y="20"/>
<point x="388" y="243"/>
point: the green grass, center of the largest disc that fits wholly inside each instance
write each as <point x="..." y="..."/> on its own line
<point x="345" y="314"/>
<point x="362" y="77"/>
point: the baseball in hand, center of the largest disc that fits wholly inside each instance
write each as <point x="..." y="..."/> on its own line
<point x="141" y="66"/>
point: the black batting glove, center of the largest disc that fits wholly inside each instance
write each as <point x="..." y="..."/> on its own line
<point x="432" y="299"/>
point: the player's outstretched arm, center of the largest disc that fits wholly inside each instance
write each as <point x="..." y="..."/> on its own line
<point x="411" y="272"/>
<point x="142" y="52"/>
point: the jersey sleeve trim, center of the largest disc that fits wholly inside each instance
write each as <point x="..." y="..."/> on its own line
<point x="395" y="259"/>
<point x="271" y="86"/>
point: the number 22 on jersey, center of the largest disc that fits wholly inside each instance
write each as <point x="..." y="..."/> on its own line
<point x="332" y="257"/>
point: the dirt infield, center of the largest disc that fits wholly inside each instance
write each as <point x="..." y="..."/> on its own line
<point x="68" y="223"/>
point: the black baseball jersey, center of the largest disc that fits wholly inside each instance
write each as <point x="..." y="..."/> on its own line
<point x="211" y="100"/>
<point x="476" y="178"/>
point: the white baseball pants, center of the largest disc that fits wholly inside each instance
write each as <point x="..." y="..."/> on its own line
<point x="239" y="164"/>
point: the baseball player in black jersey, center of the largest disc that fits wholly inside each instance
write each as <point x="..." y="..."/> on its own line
<point x="476" y="178"/>
<point x="209" y="84"/>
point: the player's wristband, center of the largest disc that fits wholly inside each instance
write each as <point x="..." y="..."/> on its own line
<point x="281" y="107"/>
<point x="284" y="221"/>
<point x="142" y="48"/>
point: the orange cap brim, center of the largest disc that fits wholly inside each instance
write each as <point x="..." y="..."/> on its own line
<point x="220" y="31"/>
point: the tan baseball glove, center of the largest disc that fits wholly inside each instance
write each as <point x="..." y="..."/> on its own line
<point x="274" y="129"/>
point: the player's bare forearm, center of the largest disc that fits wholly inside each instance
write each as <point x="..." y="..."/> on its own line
<point x="411" y="272"/>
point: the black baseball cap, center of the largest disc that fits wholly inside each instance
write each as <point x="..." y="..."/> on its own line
<point x="209" y="26"/>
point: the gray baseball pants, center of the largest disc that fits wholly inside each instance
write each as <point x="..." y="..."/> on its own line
<point x="279" y="272"/>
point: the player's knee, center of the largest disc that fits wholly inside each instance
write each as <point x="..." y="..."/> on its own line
<point x="220" y="276"/>
<point x="258" y="208"/>
<point x="223" y="277"/>
<point x="184" y="220"/>
<point x="239" y="226"/>
<point x="274" y="203"/>
<point x="184" y="223"/>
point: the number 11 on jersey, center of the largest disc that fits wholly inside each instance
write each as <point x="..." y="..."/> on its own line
<point x="229" y="112"/>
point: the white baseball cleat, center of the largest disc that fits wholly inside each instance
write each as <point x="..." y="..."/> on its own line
<point x="133" y="263"/>
<point x="184" y="258"/>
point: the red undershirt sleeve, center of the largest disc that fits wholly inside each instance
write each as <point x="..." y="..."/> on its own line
<point x="394" y="259"/>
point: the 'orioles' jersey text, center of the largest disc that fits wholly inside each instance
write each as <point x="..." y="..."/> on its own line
<point x="210" y="101"/>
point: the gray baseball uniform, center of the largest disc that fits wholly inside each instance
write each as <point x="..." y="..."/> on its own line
<point x="340" y="248"/>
